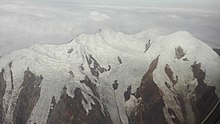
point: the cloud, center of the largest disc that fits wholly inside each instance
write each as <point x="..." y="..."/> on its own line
<point x="169" y="16"/>
<point x="25" y="23"/>
<point x="96" y="16"/>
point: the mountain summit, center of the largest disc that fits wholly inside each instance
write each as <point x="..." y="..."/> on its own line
<point x="111" y="78"/>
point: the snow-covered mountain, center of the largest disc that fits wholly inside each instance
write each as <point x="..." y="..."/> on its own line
<point x="111" y="78"/>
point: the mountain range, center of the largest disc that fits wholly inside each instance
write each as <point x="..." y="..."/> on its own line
<point x="112" y="78"/>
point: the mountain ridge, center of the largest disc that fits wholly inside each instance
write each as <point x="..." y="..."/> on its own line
<point x="94" y="62"/>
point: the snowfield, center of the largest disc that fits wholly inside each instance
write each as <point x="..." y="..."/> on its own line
<point x="54" y="63"/>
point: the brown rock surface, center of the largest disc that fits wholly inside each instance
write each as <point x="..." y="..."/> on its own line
<point x="179" y="52"/>
<point x="150" y="109"/>
<point x="2" y="93"/>
<point x="169" y="73"/>
<point x="205" y="97"/>
<point x="70" y="110"/>
<point x="28" y="97"/>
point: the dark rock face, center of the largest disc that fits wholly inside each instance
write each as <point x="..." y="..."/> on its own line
<point x="96" y="69"/>
<point x="214" y="118"/>
<point x="91" y="85"/>
<point x="180" y="101"/>
<point x="205" y="97"/>
<point x="2" y="93"/>
<point x="11" y="73"/>
<point x="119" y="60"/>
<point x="70" y="50"/>
<point x="150" y="109"/>
<point x="179" y="52"/>
<point x="185" y="59"/>
<point x="217" y="51"/>
<point x="127" y="94"/>
<point x="28" y="97"/>
<point x="115" y="85"/>
<point x="172" y="113"/>
<point x="167" y="85"/>
<point x="81" y="67"/>
<point x="147" y="46"/>
<point x="70" y="110"/>
<point x="52" y="106"/>
<point x="71" y="74"/>
<point x="198" y="73"/>
<point x="169" y="73"/>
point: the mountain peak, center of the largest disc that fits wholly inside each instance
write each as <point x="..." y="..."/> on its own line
<point x="90" y="65"/>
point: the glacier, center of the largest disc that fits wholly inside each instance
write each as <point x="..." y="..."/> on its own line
<point x="93" y="58"/>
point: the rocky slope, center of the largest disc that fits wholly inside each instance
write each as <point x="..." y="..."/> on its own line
<point x="111" y="78"/>
<point x="217" y="51"/>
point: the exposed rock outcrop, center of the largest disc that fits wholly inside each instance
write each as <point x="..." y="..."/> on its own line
<point x="185" y="59"/>
<point x="70" y="110"/>
<point x="91" y="85"/>
<point x="115" y="85"/>
<point x="169" y="73"/>
<point x="95" y="67"/>
<point x="70" y="50"/>
<point x="127" y="94"/>
<point x="28" y="97"/>
<point x="150" y="109"/>
<point x="205" y="96"/>
<point x="52" y="106"/>
<point x="174" y="118"/>
<point x="214" y="117"/>
<point x="2" y="93"/>
<point x="147" y="46"/>
<point x="119" y="60"/>
<point x="12" y="79"/>
<point x="167" y="85"/>
<point x="217" y="51"/>
<point x="188" y="116"/>
<point x="81" y="67"/>
<point x="71" y="74"/>
<point x="179" y="52"/>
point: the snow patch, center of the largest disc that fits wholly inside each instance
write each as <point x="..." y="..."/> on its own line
<point x="87" y="106"/>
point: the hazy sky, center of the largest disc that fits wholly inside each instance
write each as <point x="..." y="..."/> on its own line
<point x="27" y="22"/>
<point x="169" y="3"/>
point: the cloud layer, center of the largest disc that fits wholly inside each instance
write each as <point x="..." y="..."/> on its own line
<point x="96" y="16"/>
<point x="23" y="24"/>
